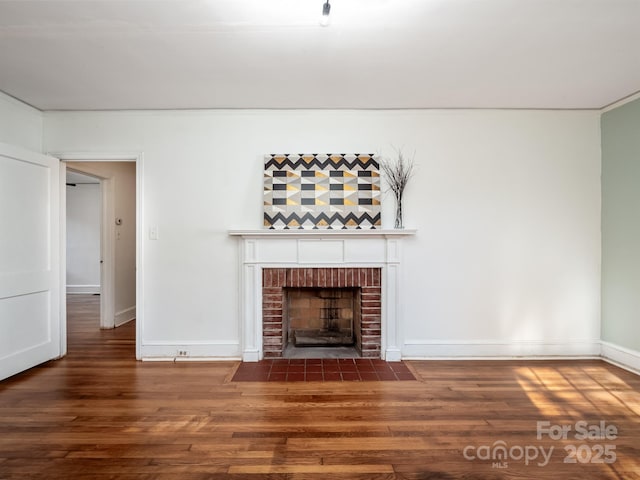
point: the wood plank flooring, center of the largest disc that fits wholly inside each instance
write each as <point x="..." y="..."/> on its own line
<point x="99" y="414"/>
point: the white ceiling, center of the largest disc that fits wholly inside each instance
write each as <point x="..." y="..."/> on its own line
<point x="80" y="179"/>
<point x="157" y="54"/>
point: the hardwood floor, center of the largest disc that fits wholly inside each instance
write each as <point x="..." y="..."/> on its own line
<point x="99" y="414"/>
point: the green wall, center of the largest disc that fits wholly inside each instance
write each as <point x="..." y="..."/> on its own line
<point x="621" y="226"/>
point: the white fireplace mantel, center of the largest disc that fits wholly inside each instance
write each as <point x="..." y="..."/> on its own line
<point x="315" y="249"/>
<point x="320" y="233"/>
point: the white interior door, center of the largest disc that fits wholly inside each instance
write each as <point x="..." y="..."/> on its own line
<point x="29" y="259"/>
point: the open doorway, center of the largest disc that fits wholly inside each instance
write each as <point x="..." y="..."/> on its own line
<point x="84" y="256"/>
<point x="113" y="200"/>
<point x="84" y="223"/>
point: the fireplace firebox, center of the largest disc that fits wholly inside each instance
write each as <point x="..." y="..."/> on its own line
<point x="321" y="317"/>
<point x="321" y="307"/>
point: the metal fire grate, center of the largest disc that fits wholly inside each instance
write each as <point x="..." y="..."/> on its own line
<point x="331" y="333"/>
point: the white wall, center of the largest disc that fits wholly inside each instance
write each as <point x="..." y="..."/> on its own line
<point x="20" y="124"/>
<point x="507" y="204"/>
<point x="122" y="177"/>
<point x="83" y="238"/>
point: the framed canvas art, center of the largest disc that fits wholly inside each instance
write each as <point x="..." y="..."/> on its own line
<point x="328" y="191"/>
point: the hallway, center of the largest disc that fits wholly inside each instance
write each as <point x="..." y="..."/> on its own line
<point x="85" y="339"/>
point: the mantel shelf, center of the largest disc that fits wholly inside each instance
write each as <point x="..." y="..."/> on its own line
<point x="373" y="233"/>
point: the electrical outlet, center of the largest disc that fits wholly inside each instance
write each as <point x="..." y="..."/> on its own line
<point x="183" y="353"/>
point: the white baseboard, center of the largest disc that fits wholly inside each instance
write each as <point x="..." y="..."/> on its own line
<point x="251" y="356"/>
<point x="429" y="350"/>
<point x="393" y="355"/>
<point x="621" y="357"/>
<point x="124" y="316"/>
<point x="191" y="359"/>
<point x="420" y="350"/>
<point x="195" y="351"/>
<point x="83" y="289"/>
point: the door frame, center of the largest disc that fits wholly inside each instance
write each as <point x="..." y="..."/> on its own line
<point x="108" y="242"/>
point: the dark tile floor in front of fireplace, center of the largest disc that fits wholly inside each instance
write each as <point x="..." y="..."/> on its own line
<point x="321" y="369"/>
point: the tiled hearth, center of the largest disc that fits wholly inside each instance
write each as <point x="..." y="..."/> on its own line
<point x="275" y="281"/>
<point x="322" y="370"/>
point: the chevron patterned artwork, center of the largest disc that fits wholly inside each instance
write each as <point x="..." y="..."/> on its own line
<point x="314" y="191"/>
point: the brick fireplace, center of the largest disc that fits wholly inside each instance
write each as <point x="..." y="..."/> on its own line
<point x="369" y="261"/>
<point x="366" y="281"/>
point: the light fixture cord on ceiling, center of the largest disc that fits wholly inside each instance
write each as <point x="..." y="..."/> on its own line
<point x="326" y="9"/>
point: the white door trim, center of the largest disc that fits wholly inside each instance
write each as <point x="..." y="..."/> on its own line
<point x="108" y="241"/>
<point x="62" y="256"/>
<point x="107" y="254"/>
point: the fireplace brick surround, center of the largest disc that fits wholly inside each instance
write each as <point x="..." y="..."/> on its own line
<point x="276" y="280"/>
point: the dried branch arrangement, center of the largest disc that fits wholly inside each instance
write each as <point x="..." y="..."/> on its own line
<point x="398" y="171"/>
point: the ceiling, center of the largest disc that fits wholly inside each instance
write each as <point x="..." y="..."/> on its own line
<point x="183" y="54"/>
<point x="77" y="178"/>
